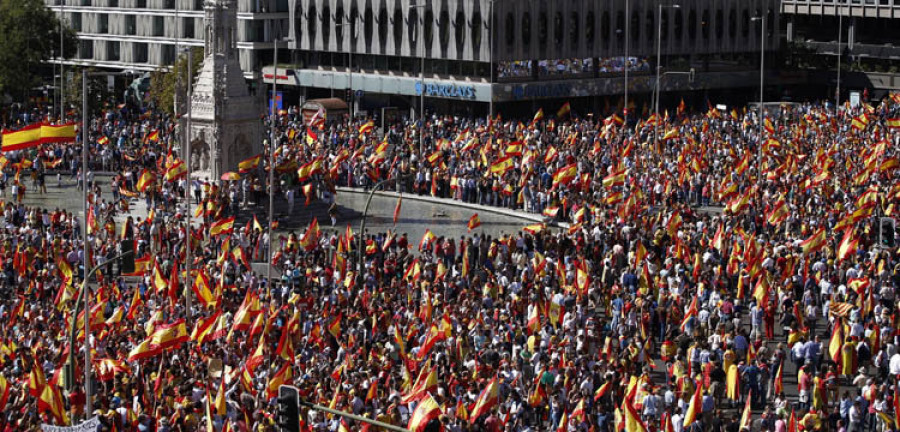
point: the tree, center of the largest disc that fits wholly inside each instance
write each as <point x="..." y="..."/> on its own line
<point x="29" y="35"/>
<point x="164" y="84"/>
<point x="98" y="91"/>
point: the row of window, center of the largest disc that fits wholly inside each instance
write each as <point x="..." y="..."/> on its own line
<point x="565" y="30"/>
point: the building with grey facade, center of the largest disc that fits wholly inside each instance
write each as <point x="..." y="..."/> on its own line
<point x="143" y="35"/>
<point x="860" y="35"/>
<point x="541" y="51"/>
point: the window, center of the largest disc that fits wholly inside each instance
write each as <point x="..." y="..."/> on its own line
<point x="169" y="4"/>
<point x="429" y="27"/>
<point x="112" y="51"/>
<point x="187" y="25"/>
<point x="459" y="27"/>
<point x="444" y="28"/>
<point x="354" y="17"/>
<point x="720" y="23"/>
<point x="198" y="5"/>
<point x="86" y="49"/>
<point x="140" y="52"/>
<point x="158" y="25"/>
<point x="635" y="26"/>
<point x="573" y="30"/>
<point x="664" y="26"/>
<point x="558" y="29"/>
<point x="382" y="25"/>
<point x="692" y="26"/>
<point x="311" y="18"/>
<point x="620" y="26"/>
<point x="605" y="27"/>
<point x="542" y="28"/>
<point x="103" y="23"/>
<point x="704" y="25"/>
<point x="413" y="27"/>
<point x="510" y="29"/>
<point x="590" y="31"/>
<point x="745" y="19"/>
<point x="679" y="25"/>
<point x="141" y="4"/>
<point x="130" y="25"/>
<point x="113" y="3"/>
<point x="368" y="24"/>
<point x="526" y="29"/>
<point x="732" y="24"/>
<point x="398" y="26"/>
<point x="476" y="30"/>
<point x="75" y="21"/>
<point x="326" y="24"/>
<point x="649" y="29"/>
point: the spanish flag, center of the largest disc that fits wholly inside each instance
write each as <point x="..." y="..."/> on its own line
<point x="616" y="178"/>
<point x="311" y="136"/>
<point x="815" y="243"/>
<point x="633" y="421"/>
<point x="250" y="164"/>
<point x="564" y="175"/>
<point x="176" y="171"/>
<point x="50" y="402"/>
<point x="848" y="245"/>
<point x="564" y="110"/>
<point x="502" y="166"/>
<point x="426" y="411"/>
<point x="474" y="222"/>
<point x="426" y="382"/>
<point x="860" y="122"/>
<point x="202" y="290"/>
<point x="836" y="342"/>
<point x="154" y="136"/>
<point x="28" y="136"/>
<point x="103" y="140"/>
<point x="367" y="127"/>
<point x="58" y="134"/>
<point x="486" y="400"/>
<point x="311" y="238"/>
<point x="204" y="327"/>
<point x="538" y="116"/>
<point x="334" y="327"/>
<point x="4" y="392"/>
<point x="224" y="226"/>
<point x="694" y="408"/>
<point x="145" y="180"/>
<point x="427" y="239"/>
<point x="893" y="123"/>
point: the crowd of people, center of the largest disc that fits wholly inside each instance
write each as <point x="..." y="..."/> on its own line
<point x="705" y="270"/>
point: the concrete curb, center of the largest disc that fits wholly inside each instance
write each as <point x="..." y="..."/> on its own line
<point x="532" y="217"/>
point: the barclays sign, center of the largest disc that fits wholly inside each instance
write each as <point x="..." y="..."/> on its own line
<point x="449" y="91"/>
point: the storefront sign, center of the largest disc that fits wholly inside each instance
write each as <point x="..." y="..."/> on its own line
<point x="541" y="91"/>
<point x="450" y="91"/>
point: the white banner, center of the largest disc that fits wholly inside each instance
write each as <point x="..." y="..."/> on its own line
<point x="89" y="425"/>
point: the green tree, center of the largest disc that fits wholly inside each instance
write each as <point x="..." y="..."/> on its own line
<point x="165" y="83"/>
<point x="98" y="91"/>
<point x="29" y="35"/>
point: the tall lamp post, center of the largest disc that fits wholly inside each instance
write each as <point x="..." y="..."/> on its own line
<point x="85" y="122"/>
<point x="420" y="40"/>
<point x="837" y="90"/>
<point x="659" y="67"/>
<point x="352" y="98"/>
<point x="189" y="89"/>
<point x="627" y="21"/>
<point x="762" y="93"/>
<point x="274" y="117"/>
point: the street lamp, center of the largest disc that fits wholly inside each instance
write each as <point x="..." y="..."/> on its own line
<point x="837" y="91"/>
<point x="627" y="21"/>
<point x="350" y="64"/>
<point x="274" y="117"/>
<point x="62" y="75"/>
<point x="420" y="29"/>
<point x="762" y="77"/>
<point x="187" y="193"/>
<point x="659" y="66"/>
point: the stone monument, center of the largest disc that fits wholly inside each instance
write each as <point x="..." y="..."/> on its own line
<point x="225" y="117"/>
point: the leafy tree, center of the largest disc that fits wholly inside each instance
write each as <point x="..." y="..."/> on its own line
<point x="29" y="35"/>
<point x="164" y="84"/>
<point x="98" y="91"/>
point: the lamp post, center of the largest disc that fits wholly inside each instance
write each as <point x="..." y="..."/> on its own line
<point x="349" y="65"/>
<point x="659" y="67"/>
<point x="421" y="116"/>
<point x="837" y="90"/>
<point x="85" y="121"/>
<point x="361" y="246"/>
<point x="274" y="117"/>
<point x="187" y="193"/>
<point x="762" y="94"/>
<point x="627" y="21"/>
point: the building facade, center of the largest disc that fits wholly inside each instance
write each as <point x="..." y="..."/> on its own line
<point x="863" y="32"/>
<point x="373" y="50"/>
<point x="144" y="35"/>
